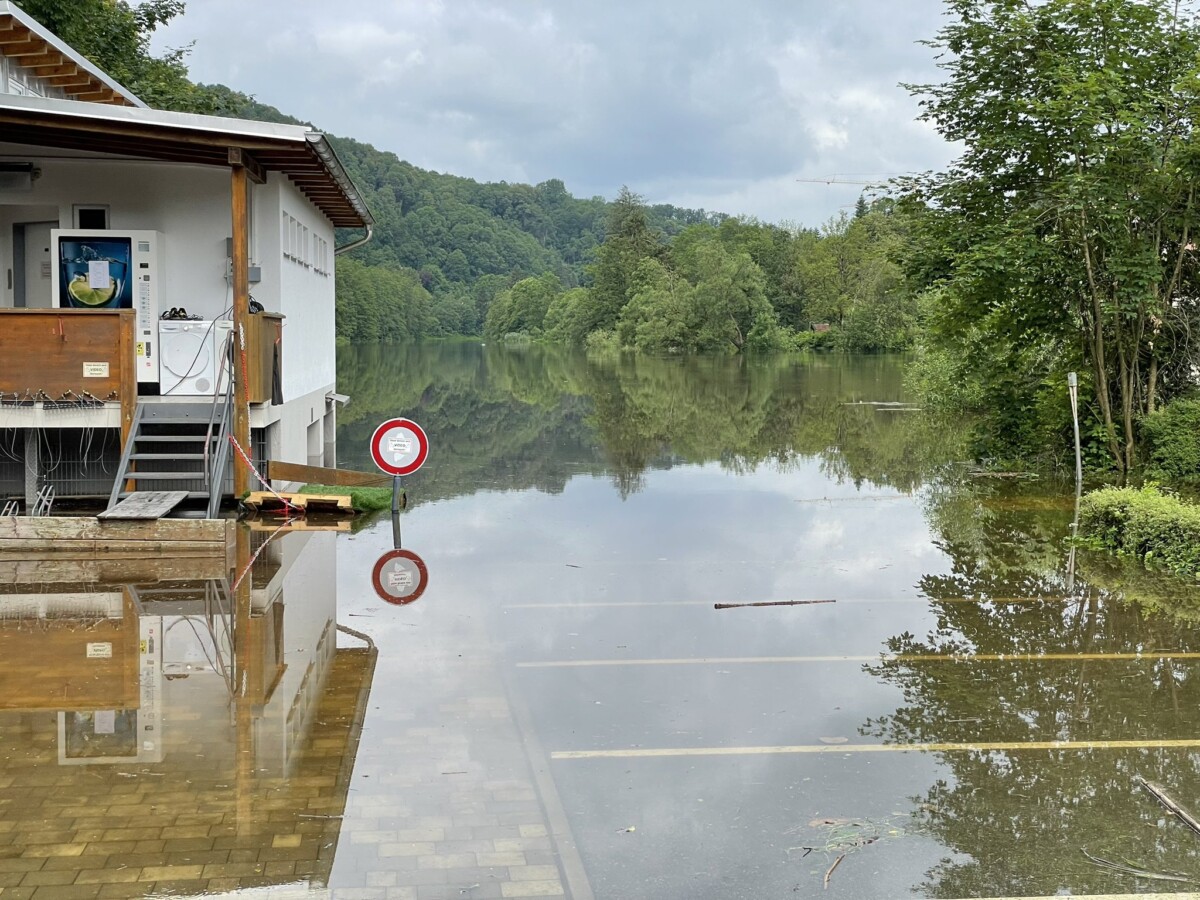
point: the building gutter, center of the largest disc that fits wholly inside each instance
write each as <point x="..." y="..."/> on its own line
<point x="345" y="248"/>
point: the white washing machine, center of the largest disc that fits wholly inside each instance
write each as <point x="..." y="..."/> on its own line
<point x="189" y="363"/>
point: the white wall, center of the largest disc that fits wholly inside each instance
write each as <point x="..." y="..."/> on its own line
<point x="190" y="205"/>
<point x="306" y="294"/>
<point x="15" y="79"/>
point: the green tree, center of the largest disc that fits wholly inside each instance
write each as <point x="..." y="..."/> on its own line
<point x="523" y="307"/>
<point x="729" y="297"/>
<point x="660" y="316"/>
<point x="115" y="35"/>
<point x="628" y="240"/>
<point x="1067" y="220"/>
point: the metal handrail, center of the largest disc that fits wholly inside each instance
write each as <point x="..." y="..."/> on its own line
<point x="216" y="455"/>
<point x="217" y="395"/>
<point x="126" y="453"/>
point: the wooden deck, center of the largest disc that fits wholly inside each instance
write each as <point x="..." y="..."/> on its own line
<point x="271" y="502"/>
<point x="86" y="536"/>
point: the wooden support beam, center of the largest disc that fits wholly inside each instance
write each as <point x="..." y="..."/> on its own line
<point x="244" y="158"/>
<point x="75" y="79"/>
<point x="285" y="471"/>
<point x="17" y="48"/>
<point x="100" y="96"/>
<point x="240" y="190"/>
<point x="50" y="69"/>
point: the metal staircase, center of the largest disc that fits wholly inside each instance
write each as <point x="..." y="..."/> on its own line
<point x="178" y="446"/>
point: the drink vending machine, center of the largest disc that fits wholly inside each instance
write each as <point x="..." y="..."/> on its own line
<point x="109" y="269"/>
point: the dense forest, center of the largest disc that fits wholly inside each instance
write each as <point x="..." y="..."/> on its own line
<point x="1062" y="239"/>
<point x="452" y="256"/>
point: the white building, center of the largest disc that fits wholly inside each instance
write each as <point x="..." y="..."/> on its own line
<point x="88" y="174"/>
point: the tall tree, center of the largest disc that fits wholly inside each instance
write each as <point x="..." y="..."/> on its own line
<point x="1070" y="215"/>
<point x="628" y="240"/>
<point x="115" y="35"/>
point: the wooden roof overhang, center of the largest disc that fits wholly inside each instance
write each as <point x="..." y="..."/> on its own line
<point x="26" y="44"/>
<point x="305" y="157"/>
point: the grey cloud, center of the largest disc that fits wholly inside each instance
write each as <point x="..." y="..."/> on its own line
<point x="699" y="103"/>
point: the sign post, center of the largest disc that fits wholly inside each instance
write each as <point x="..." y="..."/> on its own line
<point x="399" y="447"/>
<point x="399" y="577"/>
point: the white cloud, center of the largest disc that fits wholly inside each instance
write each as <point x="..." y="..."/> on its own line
<point x="696" y="103"/>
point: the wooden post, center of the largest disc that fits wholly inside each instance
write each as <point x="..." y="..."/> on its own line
<point x="243" y="704"/>
<point x="240" y="185"/>
<point x="127" y="373"/>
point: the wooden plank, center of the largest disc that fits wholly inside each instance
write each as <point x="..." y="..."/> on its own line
<point x="110" y="548"/>
<point x="285" y="471"/>
<point x="273" y="525"/>
<point x="145" y="505"/>
<point x="78" y="528"/>
<point x="273" y="500"/>
<point x="19" y="575"/>
<point x="46" y="350"/>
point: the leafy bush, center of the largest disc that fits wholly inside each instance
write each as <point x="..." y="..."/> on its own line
<point x="602" y="341"/>
<point x="1172" y="441"/>
<point x="1157" y="528"/>
<point x="811" y="340"/>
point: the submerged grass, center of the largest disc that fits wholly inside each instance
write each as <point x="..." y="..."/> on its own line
<point x="364" y="499"/>
<point x="1158" y="529"/>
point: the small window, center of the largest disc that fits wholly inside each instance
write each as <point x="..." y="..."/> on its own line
<point x="95" y="217"/>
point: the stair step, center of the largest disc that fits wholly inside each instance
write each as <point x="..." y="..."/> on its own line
<point x="199" y="456"/>
<point x="191" y="495"/>
<point x="176" y="420"/>
<point x="166" y="476"/>
<point x="181" y="438"/>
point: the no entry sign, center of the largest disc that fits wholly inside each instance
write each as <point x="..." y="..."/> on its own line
<point x="399" y="446"/>
<point x="400" y="577"/>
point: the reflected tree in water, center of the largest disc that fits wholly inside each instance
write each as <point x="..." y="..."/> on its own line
<point x="532" y="416"/>
<point x="1017" y="820"/>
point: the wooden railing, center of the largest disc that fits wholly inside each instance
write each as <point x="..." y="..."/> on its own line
<point x="70" y="354"/>
<point x="264" y="352"/>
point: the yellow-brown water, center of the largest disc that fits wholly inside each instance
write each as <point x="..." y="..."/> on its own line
<point x="565" y="712"/>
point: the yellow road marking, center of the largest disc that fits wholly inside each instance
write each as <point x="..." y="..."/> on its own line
<point x="886" y="657"/>
<point x="1190" y="895"/>
<point x="983" y="747"/>
<point x="616" y="604"/>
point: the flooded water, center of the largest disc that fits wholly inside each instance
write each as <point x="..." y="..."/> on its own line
<point x="659" y="629"/>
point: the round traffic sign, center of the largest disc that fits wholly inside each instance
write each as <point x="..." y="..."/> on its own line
<point x="400" y="577"/>
<point x="399" y="446"/>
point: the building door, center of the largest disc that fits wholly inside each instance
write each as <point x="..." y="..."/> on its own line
<point x="32" y="285"/>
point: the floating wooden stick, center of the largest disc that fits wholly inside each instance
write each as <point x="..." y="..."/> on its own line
<point x="770" y="603"/>
<point x="837" y="862"/>
<point x="1170" y="805"/>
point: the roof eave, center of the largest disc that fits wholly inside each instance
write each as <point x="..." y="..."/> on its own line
<point x="34" y="26"/>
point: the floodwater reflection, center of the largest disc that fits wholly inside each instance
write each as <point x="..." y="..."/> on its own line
<point x="175" y="735"/>
<point x="589" y="698"/>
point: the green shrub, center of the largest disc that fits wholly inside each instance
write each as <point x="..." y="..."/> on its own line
<point x="1144" y="523"/>
<point x="811" y="340"/>
<point x="602" y="341"/>
<point x="1172" y="441"/>
<point x="363" y="499"/>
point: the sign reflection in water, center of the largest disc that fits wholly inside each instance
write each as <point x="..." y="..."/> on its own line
<point x="154" y="726"/>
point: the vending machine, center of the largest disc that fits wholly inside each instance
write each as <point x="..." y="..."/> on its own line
<point x="107" y="269"/>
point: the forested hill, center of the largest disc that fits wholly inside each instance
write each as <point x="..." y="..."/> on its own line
<point x="453" y="231"/>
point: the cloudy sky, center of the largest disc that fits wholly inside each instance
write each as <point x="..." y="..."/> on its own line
<point x="701" y="103"/>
